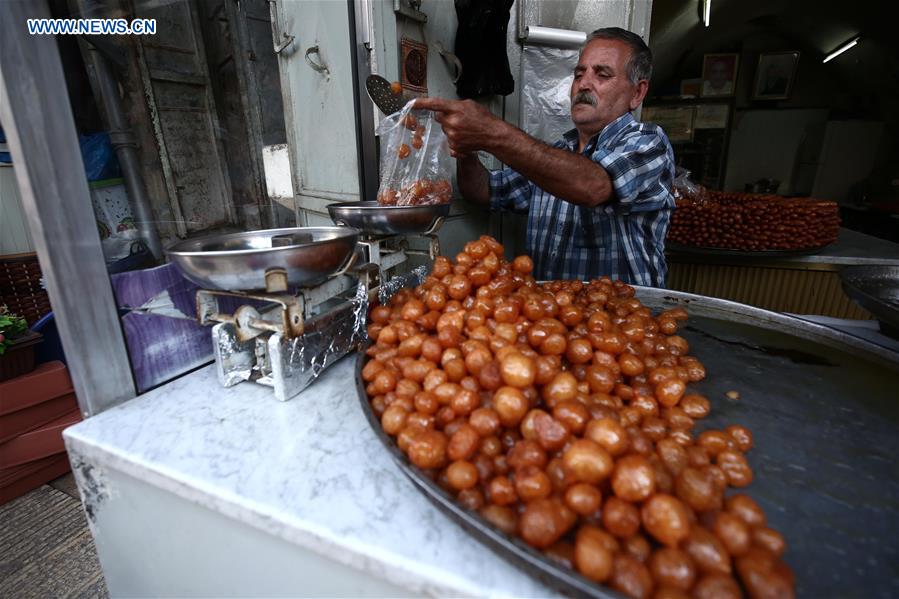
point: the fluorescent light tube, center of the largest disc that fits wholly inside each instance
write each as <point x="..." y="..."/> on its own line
<point x="706" y="12"/>
<point x="841" y="49"/>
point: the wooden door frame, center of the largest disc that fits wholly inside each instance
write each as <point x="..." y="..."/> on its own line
<point x="37" y="116"/>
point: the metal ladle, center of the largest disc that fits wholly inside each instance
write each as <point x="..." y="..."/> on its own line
<point x="382" y="96"/>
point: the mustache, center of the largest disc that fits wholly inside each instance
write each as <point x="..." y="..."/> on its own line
<point x="584" y="97"/>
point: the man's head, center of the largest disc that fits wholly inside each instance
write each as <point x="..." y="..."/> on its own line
<point x="611" y="78"/>
<point x="719" y="74"/>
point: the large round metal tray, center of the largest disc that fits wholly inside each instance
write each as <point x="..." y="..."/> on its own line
<point x="824" y="413"/>
<point x="370" y="217"/>
<point x="239" y="261"/>
<point x="514" y="550"/>
<point x="876" y="289"/>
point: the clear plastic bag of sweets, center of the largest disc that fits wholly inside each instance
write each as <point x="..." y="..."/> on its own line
<point x="416" y="166"/>
<point x="685" y="188"/>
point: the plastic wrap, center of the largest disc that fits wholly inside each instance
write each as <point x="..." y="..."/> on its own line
<point x="545" y="96"/>
<point x="416" y="165"/>
<point x="684" y="188"/>
<point x="552" y="36"/>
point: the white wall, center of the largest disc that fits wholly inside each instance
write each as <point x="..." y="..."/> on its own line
<point x="848" y="153"/>
<point x="763" y="145"/>
<point x="278" y="184"/>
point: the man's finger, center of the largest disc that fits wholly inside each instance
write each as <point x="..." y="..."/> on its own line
<point x="435" y="104"/>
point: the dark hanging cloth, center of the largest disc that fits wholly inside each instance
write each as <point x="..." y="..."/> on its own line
<point x="481" y="48"/>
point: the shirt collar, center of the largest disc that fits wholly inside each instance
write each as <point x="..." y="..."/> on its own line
<point x="608" y="133"/>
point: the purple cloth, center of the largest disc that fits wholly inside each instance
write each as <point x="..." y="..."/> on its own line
<point x="161" y="347"/>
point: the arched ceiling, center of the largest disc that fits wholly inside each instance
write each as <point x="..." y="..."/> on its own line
<point x="815" y="27"/>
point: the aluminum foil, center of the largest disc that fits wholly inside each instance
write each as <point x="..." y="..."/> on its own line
<point x="291" y="365"/>
<point x="413" y="278"/>
<point x="296" y="363"/>
<point x="235" y="361"/>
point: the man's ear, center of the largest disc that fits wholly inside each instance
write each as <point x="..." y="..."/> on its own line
<point x="639" y="93"/>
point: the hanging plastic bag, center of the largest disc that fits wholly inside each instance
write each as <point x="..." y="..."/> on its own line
<point x="99" y="157"/>
<point x="416" y="165"/>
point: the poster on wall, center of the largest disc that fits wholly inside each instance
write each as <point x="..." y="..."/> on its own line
<point x="675" y="121"/>
<point x="719" y="75"/>
<point x="774" y="75"/>
<point x="711" y="116"/>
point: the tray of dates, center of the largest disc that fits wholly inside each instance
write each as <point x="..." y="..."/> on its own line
<point x="758" y="225"/>
<point x="610" y="443"/>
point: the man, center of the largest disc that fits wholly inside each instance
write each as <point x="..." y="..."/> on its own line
<point x="599" y="200"/>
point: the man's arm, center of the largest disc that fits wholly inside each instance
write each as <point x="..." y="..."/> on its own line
<point x="470" y="127"/>
<point x="473" y="179"/>
<point x="566" y="175"/>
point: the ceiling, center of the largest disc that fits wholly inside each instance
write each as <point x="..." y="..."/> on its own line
<point x="815" y="27"/>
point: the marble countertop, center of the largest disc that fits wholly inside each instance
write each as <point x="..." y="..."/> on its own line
<point x="309" y="471"/>
<point x="850" y="248"/>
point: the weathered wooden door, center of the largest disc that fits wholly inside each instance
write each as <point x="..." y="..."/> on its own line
<point x="313" y="43"/>
<point x="175" y="78"/>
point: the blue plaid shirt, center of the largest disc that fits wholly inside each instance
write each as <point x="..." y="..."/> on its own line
<point x="623" y="238"/>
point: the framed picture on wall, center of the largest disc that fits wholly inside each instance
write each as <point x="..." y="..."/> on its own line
<point x="774" y="75"/>
<point x="719" y="74"/>
<point x="675" y="121"/>
<point x="711" y="116"/>
<point x="690" y="87"/>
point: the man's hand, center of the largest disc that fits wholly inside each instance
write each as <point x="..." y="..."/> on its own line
<point x="469" y="127"/>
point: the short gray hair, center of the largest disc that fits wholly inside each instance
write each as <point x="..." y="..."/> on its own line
<point x="639" y="66"/>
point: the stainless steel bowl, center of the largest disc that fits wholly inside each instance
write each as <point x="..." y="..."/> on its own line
<point x="371" y="217"/>
<point x="240" y="261"/>
<point x="876" y="289"/>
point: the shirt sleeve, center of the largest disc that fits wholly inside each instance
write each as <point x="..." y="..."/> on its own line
<point x="509" y="190"/>
<point x="641" y="168"/>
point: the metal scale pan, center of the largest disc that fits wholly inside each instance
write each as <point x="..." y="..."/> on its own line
<point x="374" y="219"/>
<point x="303" y="256"/>
<point x="823" y="409"/>
<point x="876" y="289"/>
